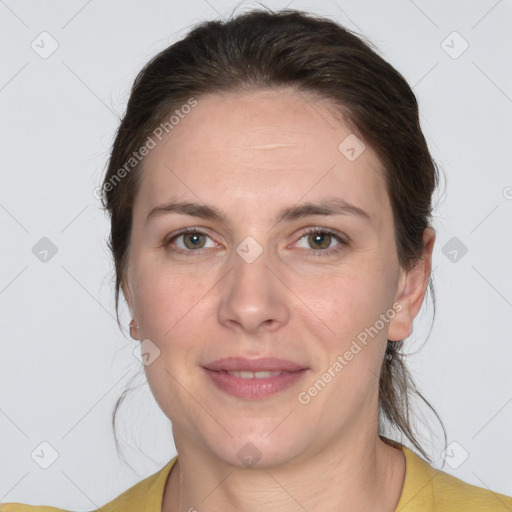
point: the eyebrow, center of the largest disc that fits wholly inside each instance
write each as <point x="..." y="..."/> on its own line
<point x="330" y="206"/>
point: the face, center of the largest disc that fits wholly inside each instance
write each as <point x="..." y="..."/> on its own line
<point x="265" y="277"/>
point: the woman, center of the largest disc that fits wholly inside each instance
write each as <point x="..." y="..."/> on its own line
<point x="270" y="198"/>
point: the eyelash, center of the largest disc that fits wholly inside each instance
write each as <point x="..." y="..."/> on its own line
<point x="317" y="252"/>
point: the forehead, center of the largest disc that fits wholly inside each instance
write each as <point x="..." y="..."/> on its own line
<point x="253" y="149"/>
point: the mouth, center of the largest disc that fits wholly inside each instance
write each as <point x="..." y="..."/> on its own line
<point x="254" y="379"/>
<point x="254" y="375"/>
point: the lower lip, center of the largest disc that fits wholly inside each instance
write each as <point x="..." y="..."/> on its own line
<point x="254" y="388"/>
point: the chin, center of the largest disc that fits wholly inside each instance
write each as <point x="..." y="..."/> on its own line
<point x="263" y="448"/>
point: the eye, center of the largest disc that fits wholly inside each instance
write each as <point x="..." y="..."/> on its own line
<point x="322" y="239"/>
<point x="191" y="240"/>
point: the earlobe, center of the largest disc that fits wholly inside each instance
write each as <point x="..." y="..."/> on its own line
<point x="134" y="330"/>
<point x="411" y="290"/>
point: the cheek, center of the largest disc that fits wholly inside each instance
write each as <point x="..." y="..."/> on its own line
<point x="166" y="298"/>
<point x="350" y="304"/>
<point x="348" y="299"/>
<point x="170" y="308"/>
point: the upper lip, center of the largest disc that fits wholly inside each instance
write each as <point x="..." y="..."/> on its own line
<point x="253" y="365"/>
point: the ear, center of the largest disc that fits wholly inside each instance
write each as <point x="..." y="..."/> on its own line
<point x="411" y="290"/>
<point x="127" y="295"/>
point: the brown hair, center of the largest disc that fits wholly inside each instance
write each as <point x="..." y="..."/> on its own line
<point x="288" y="48"/>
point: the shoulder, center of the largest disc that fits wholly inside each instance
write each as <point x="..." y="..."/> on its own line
<point x="146" y="495"/>
<point x="426" y="488"/>
<point x="455" y="494"/>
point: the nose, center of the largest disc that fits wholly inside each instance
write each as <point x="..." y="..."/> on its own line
<point x="254" y="297"/>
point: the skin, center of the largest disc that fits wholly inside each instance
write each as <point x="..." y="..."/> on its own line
<point x="250" y="154"/>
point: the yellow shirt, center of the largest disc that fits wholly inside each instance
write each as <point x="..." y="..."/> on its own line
<point x="425" y="490"/>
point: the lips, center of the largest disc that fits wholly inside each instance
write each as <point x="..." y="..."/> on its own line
<point x="254" y="379"/>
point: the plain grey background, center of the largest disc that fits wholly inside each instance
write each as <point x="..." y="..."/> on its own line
<point x="66" y="71"/>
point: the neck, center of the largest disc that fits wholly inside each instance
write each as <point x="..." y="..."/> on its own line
<point x="362" y="475"/>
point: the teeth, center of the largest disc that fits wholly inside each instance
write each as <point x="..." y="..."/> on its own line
<point x="254" y="375"/>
